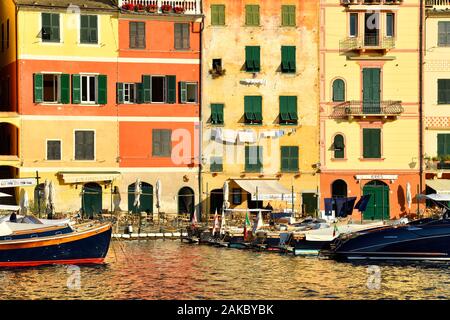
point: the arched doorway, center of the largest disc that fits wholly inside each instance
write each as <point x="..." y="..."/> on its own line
<point x="378" y="206"/>
<point x="216" y="201"/>
<point x="146" y="199"/>
<point x="186" y="200"/>
<point x="92" y="199"/>
<point x="339" y="189"/>
<point x="7" y="172"/>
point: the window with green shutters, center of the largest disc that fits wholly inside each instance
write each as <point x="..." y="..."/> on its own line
<point x="161" y="143"/>
<point x="338" y="90"/>
<point x="89" y="29"/>
<point x="253" y="109"/>
<point x="51" y="88"/>
<point x="158" y="89"/>
<point x="443" y="91"/>
<point x="443" y="147"/>
<point x="89" y="89"/>
<point x="288" y="59"/>
<point x="444" y="33"/>
<point x="339" y="147"/>
<point x="288" y="16"/>
<point x="217" y="113"/>
<point x="288" y="110"/>
<point x="289" y="159"/>
<point x="53" y="149"/>
<point x="253" y="58"/>
<point x="171" y="95"/>
<point x="253" y="159"/>
<point x="218" y="15"/>
<point x="216" y="164"/>
<point x="50" y="27"/>
<point x="372" y="143"/>
<point x="188" y="92"/>
<point x="84" y="145"/>
<point x="252" y="15"/>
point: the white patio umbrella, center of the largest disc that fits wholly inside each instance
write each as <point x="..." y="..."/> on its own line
<point x="24" y="202"/>
<point x="4" y="195"/>
<point x="259" y="222"/>
<point x="158" y="193"/>
<point x="226" y="192"/>
<point x="408" y="195"/>
<point x="216" y="225"/>
<point x="46" y="193"/>
<point x="52" y="197"/>
<point x="222" y="223"/>
<point x="137" y="194"/>
<point x="194" y="218"/>
<point x="116" y="199"/>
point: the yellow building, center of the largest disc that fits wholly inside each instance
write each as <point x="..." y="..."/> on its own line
<point x="259" y="104"/>
<point x="369" y="119"/>
<point x="437" y="96"/>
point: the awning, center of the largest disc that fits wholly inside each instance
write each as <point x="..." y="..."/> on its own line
<point x="8" y="207"/>
<point x="436" y="196"/>
<point x="439" y="185"/>
<point x="265" y="189"/>
<point x="5" y="195"/>
<point x="76" y="177"/>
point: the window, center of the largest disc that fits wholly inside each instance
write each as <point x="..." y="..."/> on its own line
<point x="217" y="113"/>
<point x="137" y="35"/>
<point x="218" y="15"/>
<point x="252" y="15"/>
<point x="390" y="24"/>
<point x="288" y="59"/>
<point x="338" y="90"/>
<point x="52" y="88"/>
<point x="444" y="33"/>
<point x="84" y="145"/>
<point x="371" y="30"/>
<point x="289" y="159"/>
<point x="50" y="27"/>
<point x="89" y="29"/>
<point x="353" y="29"/>
<point x="188" y="92"/>
<point x="288" y="110"/>
<point x="339" y="147"/>
<point x="216" y="164"/>
<point x="182" y="36"/>
<point x="443" y="91"/>
<point x="127" y="93"/>
<point x="53" y="150"/>
<point x="161" y="142"/>
<point x="443" y="147"/>
<point x="253" y="110"/>
<point x="236" y="196"/>
<point x="217" y="65"/>
<point x="158" y="89"/>
<point x="252" y="58"/>
<point x="372" y="143"/>
<point x="288" y="16"/>
<point x="253" y="159"/>
<point x="89" y="89"/>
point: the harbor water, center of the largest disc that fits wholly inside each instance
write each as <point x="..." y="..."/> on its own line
<point x="157" y="269"/>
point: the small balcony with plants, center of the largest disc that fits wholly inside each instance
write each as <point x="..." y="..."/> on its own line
<point x="365" y="109"/>
<point x="366" y="43"/>
<point x="189" y="7"/>
<point x="371" y="2"/>
<point x="441" y="162"/>
<point x="437" y="4"/>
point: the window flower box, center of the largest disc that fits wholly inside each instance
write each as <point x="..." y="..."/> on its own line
<point x="128" y="6"/>
<point x="152" y="8"/>
<point x="178" y="10"/>
<point x="139" y="8"/>
<point x="167" y="8"/>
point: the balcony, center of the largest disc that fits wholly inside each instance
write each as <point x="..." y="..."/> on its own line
<point x="361" y="109"/>
<point x="366" y="43"/>
<point x="189" y="7"/>
<point x="437" y="4"/>
<point x="370" y="2"/>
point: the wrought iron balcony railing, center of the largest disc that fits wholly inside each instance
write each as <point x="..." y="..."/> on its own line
<point x="388" y="108"/>
<point x="369" y="2"/>
<point x="367" y="42"/>
<point x="438" y="4"/>
<point x="187" y="6"/>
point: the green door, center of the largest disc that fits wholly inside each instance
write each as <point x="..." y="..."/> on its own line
<point x="378" y="206"/>
<point x="371" y="90"/>
<point x="309" y="203"/>
<point x="146" y="198"/>
<point x="92" y="200"/>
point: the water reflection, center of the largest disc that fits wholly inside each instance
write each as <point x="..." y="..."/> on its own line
<point x="172" y="270"/>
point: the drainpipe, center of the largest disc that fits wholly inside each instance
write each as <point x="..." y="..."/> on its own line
<point x="421" y="53"/>
<point x="200" y="123"/>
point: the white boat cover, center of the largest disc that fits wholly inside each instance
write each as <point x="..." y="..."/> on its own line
<point x="9" y="207"/>
<point x="264" y="188"/>
<point x="326" y="234"/>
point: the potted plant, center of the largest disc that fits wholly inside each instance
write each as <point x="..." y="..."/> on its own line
<point x="152" y="8"/>
<point x="166" y="8"/>
<point x="128" y="6"/>
<point x="178" y="10"/>
<point x="139" y="7"/>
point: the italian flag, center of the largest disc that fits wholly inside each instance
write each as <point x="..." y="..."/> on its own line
<point x="247" y="224"/>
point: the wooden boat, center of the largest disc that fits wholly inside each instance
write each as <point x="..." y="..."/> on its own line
<point x="82" y="244"/>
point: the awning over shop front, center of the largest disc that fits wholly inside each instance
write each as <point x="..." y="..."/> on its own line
<point x="81" y="177"/>
<point x="265" y="189"/>
<point x="441" y="186"/>
<point x="436" y="197"/>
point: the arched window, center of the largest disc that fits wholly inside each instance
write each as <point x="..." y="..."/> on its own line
<point x="339" y="189"/>
<point x="339" y="146"/>
<point x="338" y="90"/>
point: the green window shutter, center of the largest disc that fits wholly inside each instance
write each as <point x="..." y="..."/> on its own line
<point x="257" y="108"/>
<point x="294" y="159"/>
<point x="38" y="88"/>
<point x="248" y="109"/>
<point x="339" y="147"/>
<point x="371" y="143"/>
<point x="284" y="159"/>
<point x="288" y="59"/>
<point x="84" y="29"/>
<point x="292" y="16"/>
<point x="248" y="16"/>
<point x="171" y="89"/>
<point x="288" y="16"/>
<point x="93" y="29"/>
<point x="257" y="58"/>
<point x="147" y="87"/>
<point x="65" y="88"/>
<point x="443" y="91"/>
<point x="216" y="164"/>
<point x="221" y="15"/>
<point x="102" y="93"/>
<point x="367" y="151"/>
<point x="284" y="108"/>
<point x="249" y="59"/>
<point x="166" y="137"/>
<point x="338" y="90"/>
<point x="443" y="148"/>
<point x="119" y="90"/>
<point x="253" y="159"/>
<point x="284" y="59"/>
<point x="156" y="142"/>
<point x="218" y="14"/>
<point x="292" y="59"/>
<point x="292" y="108"/>
<point x="139" y="93"/>
<point x="217" y="113"/>
<point x="76" y="89"/>
<point x="54" y="36"/>
<point x="183" y="91"/>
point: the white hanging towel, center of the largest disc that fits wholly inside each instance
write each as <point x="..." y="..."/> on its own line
<point x="229" y="136"/>
<point x="216" y="134"/>
<point x="247" y="136"/>
<point x="269" y="134"/>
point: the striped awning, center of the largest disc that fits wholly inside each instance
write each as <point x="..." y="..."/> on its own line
<point x="81" y="177"/>
<point x="265" y="189"/>
<point x="441" y="186"/>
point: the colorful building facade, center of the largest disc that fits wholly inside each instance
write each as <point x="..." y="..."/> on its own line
<point x="259" y="105"/>
<point x="369" y="104"/>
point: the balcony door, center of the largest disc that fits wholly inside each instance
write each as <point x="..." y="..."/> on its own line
<point x="372" y="29"/>
<point x="371" y="90"/>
